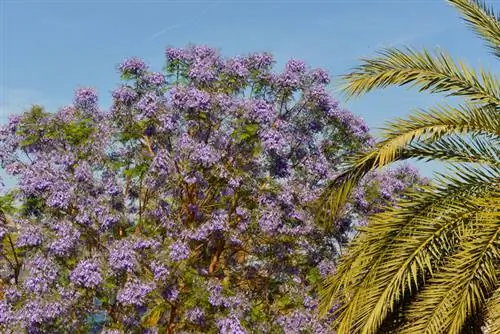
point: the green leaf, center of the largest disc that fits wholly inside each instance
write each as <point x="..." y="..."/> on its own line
<point x="153" y="316"/>
<point x="314" y="276"/>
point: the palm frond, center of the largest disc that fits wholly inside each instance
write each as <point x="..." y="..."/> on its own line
<point x="483" y="20"/>
<point x="397" y="250"/>
<point x="453" y="148"/>
<point x="468" y="278"/>
<point x="493" y="311"/>
<point x="426" y="126"/>
<point x="436" y="73"/>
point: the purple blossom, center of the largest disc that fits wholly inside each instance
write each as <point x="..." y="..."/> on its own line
<point x="190" y="98"/>
<point x="203" y="52"/>
<point x="6" y="314"/>
<point x="237" y="67"/>
<point x="29" y="236"/>
<point x="110" y="184"/>
<point x="83" y="172"/>
<point x="134" y="66"/>
<point x="160" y="271"/>
<point x="38" y="311"/>
<point x="42" y="272"/>
<point x="148" y="104"/>
<point x="111" y="331"/>
<point x="83" y="218"/>
<point x="295" y="66"/>
<point x="87" y="274"/>
<point x="177" y="54"/>
<point x="86" y="99"/>
<point x="270" y="220"/>
<point x="124" y="95"/>
<point x="66" y="238"/>
<point x="261" y="111"/>
<point x="294" y="323"/>
<point x="143" y="244"/>
<point x="320" y="76"/>
<point x="61" y="195"/>
<point x="134" y="292"/>
<point x="195" y="315"/>
<point x="326" y="268"/>
<point x="122" y="256"/>
<point x="171" y="293"/>
<point x="279" y="167"/>
<point x="260" y="60"/>
<point x="217" y="223"/>
<point x="179" y="251"/>
<point x="203" y="71"/>
<point x="230" y="325"/>
<point x="105" y="216"/>
<point x="206" y="154"/>
<point x="353" y="124"/>
<point x="215" y="296"/>
<point x="324" y="101"/>
<point x="155" y="79"/>
<point x="274" y="140"/>
<point x="292" y="76"/>
<point x="168" y="122"/>
<point x="3" y="232"/>
<point x="66" y="114"/>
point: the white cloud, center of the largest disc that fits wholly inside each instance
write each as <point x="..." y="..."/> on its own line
<point x="194" y="19"/>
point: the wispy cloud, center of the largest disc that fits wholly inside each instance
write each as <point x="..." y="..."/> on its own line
<point x="178" y="25"/>
<point x="424" y="31"/>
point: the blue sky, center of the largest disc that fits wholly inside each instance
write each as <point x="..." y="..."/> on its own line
<point x="48" y="48"/>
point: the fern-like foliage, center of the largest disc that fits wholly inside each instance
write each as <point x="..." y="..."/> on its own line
<point x="431" y="264"/>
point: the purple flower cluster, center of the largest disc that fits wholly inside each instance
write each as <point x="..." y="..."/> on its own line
<point x="154" y="79"/>
<point x="87" y="274"/>
<point x="230" y="325"/>
<point x="190" y="98"/>
<point x="134" y="66"/>
<point x="134" y="293"/>
<point x="148" y="104"/>
<point x="122" y="255"/>
<point x="190" y="197"/>
<point x="160" y="271"/>
<point x="65" y="239"/>
<point x="195" y="315"/>
<point x="292" y="76"/>
<point x="30" y="235"/>
<point x="352" y="123"/>
<point x="179" y="251"/>
<point x="37" y="312"/>
<point x="381" y="188"/>
<point x="86" y="99"/>
<point x="42" y="272"/>
<point x="6" y="315"/>
<point x="124" y="95"/>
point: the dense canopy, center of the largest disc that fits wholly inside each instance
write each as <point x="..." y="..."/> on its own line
<point x="188" y="207"/>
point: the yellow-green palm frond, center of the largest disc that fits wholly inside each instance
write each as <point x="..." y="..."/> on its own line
<point x="435" y="73"/>
<point x="493" y="311"/>
<point x="426" y="127"/>
<point x="453" y="148"/>
<point x="400" y="247"/>
<point x="482" y="19"/>
<point x="431" y="263"/>
<point x="460" y="289"/>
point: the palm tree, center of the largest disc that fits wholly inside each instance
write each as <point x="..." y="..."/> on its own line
<point x="430" y="264"/>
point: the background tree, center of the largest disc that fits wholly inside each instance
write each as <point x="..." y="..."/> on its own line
<point x="186" y="207"/>
<point x="430" y="264"/>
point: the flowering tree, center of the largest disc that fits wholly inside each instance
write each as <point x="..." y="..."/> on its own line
<point x="188" y="207"/>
